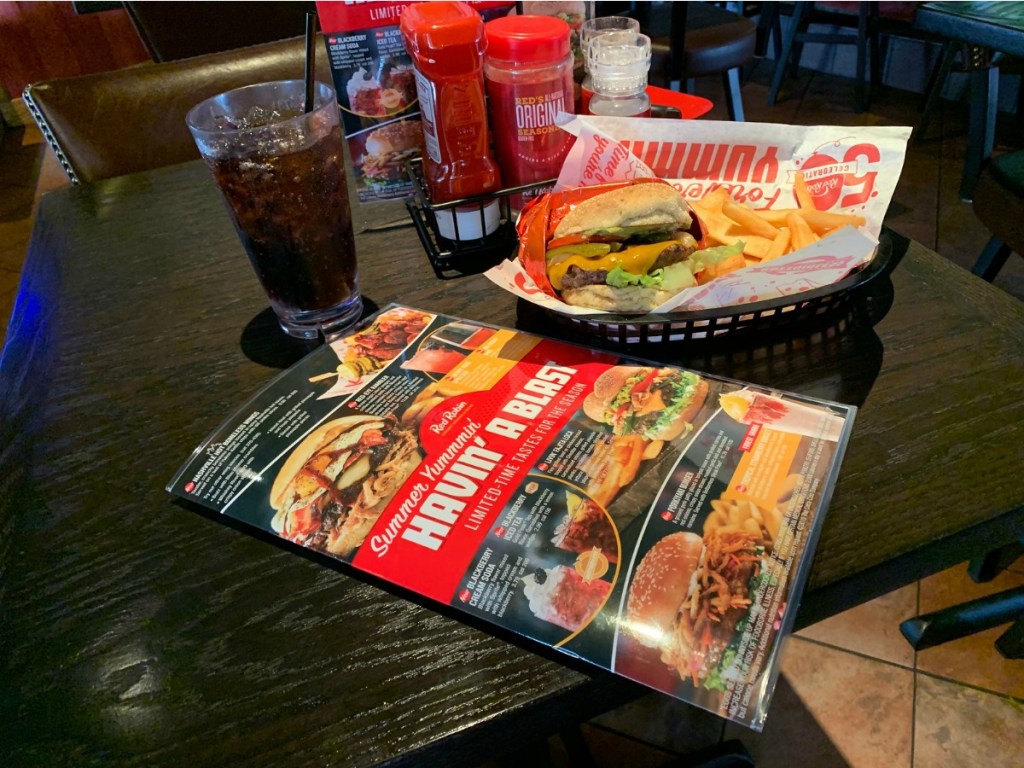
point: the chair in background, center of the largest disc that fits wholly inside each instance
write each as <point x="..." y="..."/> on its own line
<point x="861" y="24"/>
<point x="115" y="123"/>
<point x="999" y="204"/>
<point x="958" y="621"/>
<point x="173" y="31"/>
<point x="703" y="40"/>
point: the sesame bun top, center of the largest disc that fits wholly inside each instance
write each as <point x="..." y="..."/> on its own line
<point x="660" y="586"/>
<point x="632" y="206"/>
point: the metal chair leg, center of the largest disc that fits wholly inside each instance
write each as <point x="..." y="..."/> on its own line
<point x="1011" y="643"/>
<point x="933" y="90"/>
<point x="988" y="566"/>
<point x="992" y="259"/>
<point x="981" y="127"/>
<point x="965" y="619"/>
<point x="860" y="102"/>
<point x="782" y="62"/>
<point x="734" y="94"/>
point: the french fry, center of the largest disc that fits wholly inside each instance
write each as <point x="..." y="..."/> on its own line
<point x="800" y="232"/>
<point x="780" y="245"/>
<point x="715" y="199"/>
<point x="766" y="234"/>
<point x="749" y="221"/>
<point x="803" y="195"/>
<point x="756" y="247"/>
<point x="821" y="222"/>
<point x="652" y="449"/>
<point x="724" y="267"/>
<point x="718" y="228"/>
<point x="632" y="455"/>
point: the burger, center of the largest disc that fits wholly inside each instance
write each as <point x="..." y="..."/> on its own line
<point x="689" y="598"/>
<point x="624" y="250"/>
<point x="654" y="403"/>
<point x="387" y="148"/>
<point x="335" y="484"/>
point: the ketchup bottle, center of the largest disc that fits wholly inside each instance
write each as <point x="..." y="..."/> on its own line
<point x="528" y="71"/>
<point x="446" y="42"/>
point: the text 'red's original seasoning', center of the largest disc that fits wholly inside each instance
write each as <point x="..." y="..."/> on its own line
<point x="528" y="71"/>
<point x="446" y="42"/>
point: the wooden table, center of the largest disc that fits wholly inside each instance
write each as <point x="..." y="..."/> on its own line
<point x="138" y="631"/>
<point x="981" y="29"/>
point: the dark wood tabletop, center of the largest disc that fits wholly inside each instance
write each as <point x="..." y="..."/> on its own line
<point x="138" y="630"/>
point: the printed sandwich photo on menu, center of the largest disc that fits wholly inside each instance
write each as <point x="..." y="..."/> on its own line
<point x="654" y="521"/>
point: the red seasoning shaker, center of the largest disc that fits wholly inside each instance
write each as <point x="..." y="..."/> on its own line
<point x="528" y="71"/>
<point x="446" y="43"/>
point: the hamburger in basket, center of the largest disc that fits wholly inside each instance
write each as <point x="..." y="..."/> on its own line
<point x="775" y="211"/>
<point x="625" y="247"/>
<point x="333" y="487"/>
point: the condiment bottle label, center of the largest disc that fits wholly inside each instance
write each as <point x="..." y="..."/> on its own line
<point x="536" y="147"/>
<point x="428" y="109"/>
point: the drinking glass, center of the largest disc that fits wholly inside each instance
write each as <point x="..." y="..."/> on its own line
<point x="281" y="173"/>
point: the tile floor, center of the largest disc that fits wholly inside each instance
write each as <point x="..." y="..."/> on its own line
<point x="852" y="692"/>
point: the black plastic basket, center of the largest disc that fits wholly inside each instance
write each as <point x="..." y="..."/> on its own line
<point x="458" y="257"/>
<point x="454" y="258"/>
<point x="621" y="332"/>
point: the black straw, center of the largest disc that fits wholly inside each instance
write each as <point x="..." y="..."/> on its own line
<point x="310" y="58"/>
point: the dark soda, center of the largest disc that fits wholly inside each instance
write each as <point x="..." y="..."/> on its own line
<point x="292" y="213"/>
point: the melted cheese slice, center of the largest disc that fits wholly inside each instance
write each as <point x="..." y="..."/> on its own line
<point x="636" y="259"/>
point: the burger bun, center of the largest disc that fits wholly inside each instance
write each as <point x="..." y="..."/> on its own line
<point x="631" y="298"/>
<point x="629" y="206"/>
<point x="660" y="586"/>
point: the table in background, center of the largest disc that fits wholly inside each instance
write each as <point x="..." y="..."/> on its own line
<point x="137" y="630"/>
<point x="982" y="28"/>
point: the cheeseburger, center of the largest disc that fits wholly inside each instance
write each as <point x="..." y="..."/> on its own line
<point x="687" y="598"/>
<point x="335" y="484"/>
<point x="623" y="250"/>
<point x="655" y="403"/>
<point x="387" y="149"/>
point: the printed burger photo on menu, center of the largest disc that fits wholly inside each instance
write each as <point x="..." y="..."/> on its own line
<point x="644" y="407"/>
<point x="655" y="403"/>
<point x="688" y="629"/>
<point x="388" y="148"/>
<point x="335" y="484"/>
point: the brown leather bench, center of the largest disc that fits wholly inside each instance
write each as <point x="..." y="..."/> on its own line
<point x="129" y="120"/>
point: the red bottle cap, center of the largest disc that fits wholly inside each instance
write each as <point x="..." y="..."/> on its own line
<point x="527" y="39"/>
<point x="429" y="28"/>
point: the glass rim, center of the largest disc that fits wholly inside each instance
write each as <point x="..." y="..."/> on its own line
<point x="323" y="96"/>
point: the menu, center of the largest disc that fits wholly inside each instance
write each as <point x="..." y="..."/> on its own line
<point x="376" y="85"/>
<point x="655" y="521"/>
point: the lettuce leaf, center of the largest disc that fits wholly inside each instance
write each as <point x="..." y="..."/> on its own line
<point x="620" y="278"/>
<point x="674" y="277"/>
<point x="715" y="255"/>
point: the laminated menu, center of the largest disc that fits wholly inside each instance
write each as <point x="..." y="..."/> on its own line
<point x="655" y="521"/>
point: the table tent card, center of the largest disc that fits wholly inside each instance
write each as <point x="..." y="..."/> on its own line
<point x="654" y="521"/>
